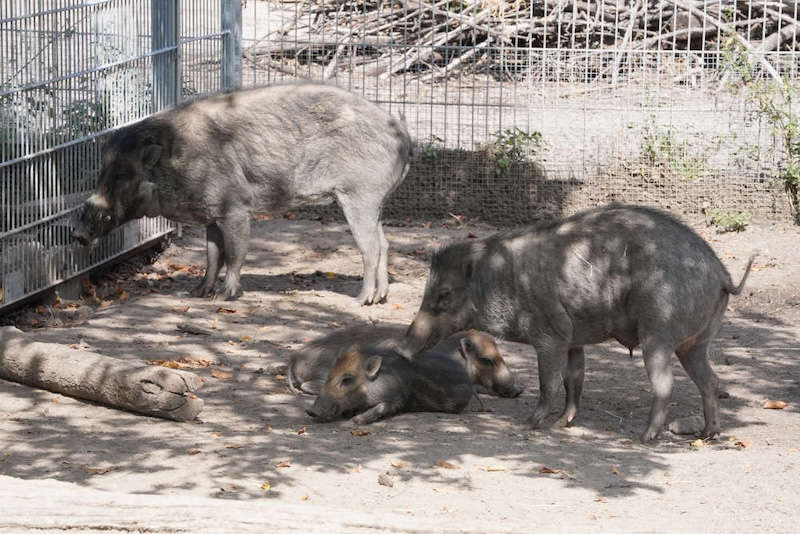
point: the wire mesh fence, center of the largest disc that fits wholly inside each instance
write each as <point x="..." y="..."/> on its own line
<point x="70" y="73"/>
<point x="526" y="109"/>
<point x="520" y="109"/>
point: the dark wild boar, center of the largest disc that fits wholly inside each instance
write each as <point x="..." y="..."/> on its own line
<point x="618" y="272"/>
<point x="370" y="384"/>
<point x="476" y="351"/>
<point x="217" y="160"/>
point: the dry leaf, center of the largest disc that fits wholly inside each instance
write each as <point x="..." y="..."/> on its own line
<point x="400" y="464"/>
<point x="266" y="486"/>
<point x="75" y="346"/>
<point x="216" y="434"/>
<point x="385" y="480"/>
<point x="359" y="432"/>
<point x="615" y="471"/>
<point x="262" y="216"/>
<point x="301" y="431"/>
<point x="397" y="306"/>
<point x="191" y="395"/>
<point x="330" y="275"/>
<point x="304" y="497"/>
<point x="742" y="444"/>
<point x="548" y="471"/>
<point x="233" y="446"/>
<point x="96" y="470"/>
<point x="357" y="469"/>
<point x="123" y="295"/>
<point x="222" y="375"/>
<point x="192" y="452"/>
<point x="247" y="339"/>
<point x="226" y="310"/>
<point x="601" y="499"/>
<point x="106" y="303"/>
<point x="697" y="444"/>
<point x="285" y="463"/>
<point x="446" y="465"/>
<point x="493" y="468"/>
<point x="774" y="405"/>
<point x="180" y="309"/>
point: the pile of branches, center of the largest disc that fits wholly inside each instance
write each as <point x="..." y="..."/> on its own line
<point x="438" y="38"/>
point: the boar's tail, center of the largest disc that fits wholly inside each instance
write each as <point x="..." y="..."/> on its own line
<point x="735" y="290"/>
<point x="291" y="376"/>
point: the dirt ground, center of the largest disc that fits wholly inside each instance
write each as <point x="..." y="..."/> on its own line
<point x="477" y="471"/>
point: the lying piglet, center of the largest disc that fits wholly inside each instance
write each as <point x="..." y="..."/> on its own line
<point x="371" y="384"/>
<point x="474" y="350"/>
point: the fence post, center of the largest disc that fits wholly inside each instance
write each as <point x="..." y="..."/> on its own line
<point x="164" y="26"/>
<point x="231" y="44"/>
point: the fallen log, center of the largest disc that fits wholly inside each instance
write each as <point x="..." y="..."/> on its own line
<point x="146" y="389"/>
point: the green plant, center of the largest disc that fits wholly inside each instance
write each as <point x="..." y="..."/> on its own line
<point x="514" y="145"/>
<point x="661" y="147"/>
<point x="729" y="221"/>
<point x="772" y="102"/>
<point x="433" y="146"/>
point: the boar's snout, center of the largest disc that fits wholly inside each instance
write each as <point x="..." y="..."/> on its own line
<point x="80" y="236"/>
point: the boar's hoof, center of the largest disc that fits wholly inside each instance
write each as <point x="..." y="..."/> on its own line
<point x="649" y="435"/>
<point x="710" y="433"/>
<point x="534" y="421"/>
<point x="227" y="294"/>
<point x="202" y="291"/>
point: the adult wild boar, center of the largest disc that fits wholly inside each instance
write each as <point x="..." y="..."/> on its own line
<point x="476" y="351"/>
<point x="371" y="384"/>
<point x="629" y="273"/>
<point x="216" y="160"/>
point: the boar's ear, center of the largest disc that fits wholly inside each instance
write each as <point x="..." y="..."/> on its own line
<point x="150" y="155"/>
<point x="373" y="366"/>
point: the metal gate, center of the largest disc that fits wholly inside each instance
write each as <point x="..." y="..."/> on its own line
<point x="71" y="72"/>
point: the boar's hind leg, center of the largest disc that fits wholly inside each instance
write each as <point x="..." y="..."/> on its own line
<point x="215" y="252"/>
<point x="552" y="358"/>
<point x="236" y="235"/>
<point x="657" y="356"/>
<point x="365" y="226"/>
<point x="383" y="267"/>
<point x="695" y="361"/>
<point x="573" y="383"/>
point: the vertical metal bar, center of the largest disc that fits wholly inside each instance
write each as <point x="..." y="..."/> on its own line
<point x="231" y="44"/>
<point x="164" y="34"/>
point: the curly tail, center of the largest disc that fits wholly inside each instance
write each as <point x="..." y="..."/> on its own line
<point x="735" y="290"/>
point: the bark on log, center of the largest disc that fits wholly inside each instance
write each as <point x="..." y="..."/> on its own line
<point x="145" y="389"/>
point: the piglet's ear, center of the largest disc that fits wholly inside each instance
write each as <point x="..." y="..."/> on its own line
<point x="150" y="156"/>
<point x="373" y="366"/>
<point x="465" y="348"/>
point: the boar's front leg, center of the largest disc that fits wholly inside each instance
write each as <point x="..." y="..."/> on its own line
<point x="235" y="230"/>
<point x="552" y="358"/>
<point x="379" y="411"/>
<point x="573" y="383"/>
<point x="657" y="356"/>
<point x="215" y="254"/>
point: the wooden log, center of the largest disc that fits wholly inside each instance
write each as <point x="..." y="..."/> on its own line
<point x="146" y="389"/>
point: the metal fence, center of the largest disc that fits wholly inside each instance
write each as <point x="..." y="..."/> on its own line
<point x="71" y="72"/>
<point x="525" y="108"/>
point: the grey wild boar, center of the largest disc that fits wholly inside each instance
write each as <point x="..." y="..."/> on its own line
<point x="632" y="274"/>
<point x="215" y="161"/>
<point x="371" y="384"/>
<point x="476" y="351"/>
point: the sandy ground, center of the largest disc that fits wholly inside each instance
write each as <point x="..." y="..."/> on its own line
<point x="477" y="471"/>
